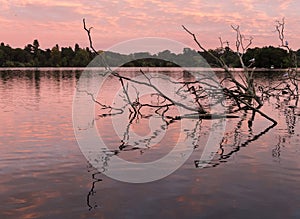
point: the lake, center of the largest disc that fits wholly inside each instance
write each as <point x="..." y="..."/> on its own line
<point x="255" y="173"/>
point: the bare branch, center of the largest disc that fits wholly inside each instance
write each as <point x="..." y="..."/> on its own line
<point x="203" y="49"/>
<point x="88" y="30"/>
<point x="280" y="28"/>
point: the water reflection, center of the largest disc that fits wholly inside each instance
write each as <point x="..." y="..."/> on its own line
<point x="277" y="149"/>
<point x="43" y="173"/>
<point x="237" y="144"/>
<point x="290" y="118"/>
<point x="239" y="134"/>
<point x="95" y="179"/>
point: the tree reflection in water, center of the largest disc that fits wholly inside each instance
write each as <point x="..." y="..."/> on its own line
<point x="226" y="150"/>
<point x="240" y="135"/>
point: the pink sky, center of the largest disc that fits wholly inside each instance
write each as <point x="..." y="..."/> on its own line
<point x="60" y="21"/>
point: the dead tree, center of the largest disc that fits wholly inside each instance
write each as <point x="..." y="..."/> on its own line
<point x="239" y="89"/>
<point x="291" y="76"/>
<point x="192" y="89"/>
<point x="242" y="93"/>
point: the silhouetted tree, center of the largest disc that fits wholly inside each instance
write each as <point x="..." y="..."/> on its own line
<point x="55" y="56"/>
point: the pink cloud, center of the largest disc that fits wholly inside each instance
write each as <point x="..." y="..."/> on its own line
<point x="114" y="21"/>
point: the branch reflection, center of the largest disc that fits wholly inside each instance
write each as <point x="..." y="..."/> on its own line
<point x="237" y="135"/>
<point x="240" y="133"/>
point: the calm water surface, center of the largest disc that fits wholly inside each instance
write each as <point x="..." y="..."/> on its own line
<point x="43" y="174"/>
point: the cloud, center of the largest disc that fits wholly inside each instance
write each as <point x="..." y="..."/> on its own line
<point x="114" y="21"/>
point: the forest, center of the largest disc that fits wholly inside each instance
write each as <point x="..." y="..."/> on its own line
<point x="33" y="56"/>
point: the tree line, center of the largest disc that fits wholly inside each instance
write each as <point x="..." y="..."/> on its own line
<point x="33" y="56"/>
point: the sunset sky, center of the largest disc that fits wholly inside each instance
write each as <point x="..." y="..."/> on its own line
<point x="60" y="21"/>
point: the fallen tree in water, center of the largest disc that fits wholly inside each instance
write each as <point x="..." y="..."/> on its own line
<point x="237" y="92"/>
